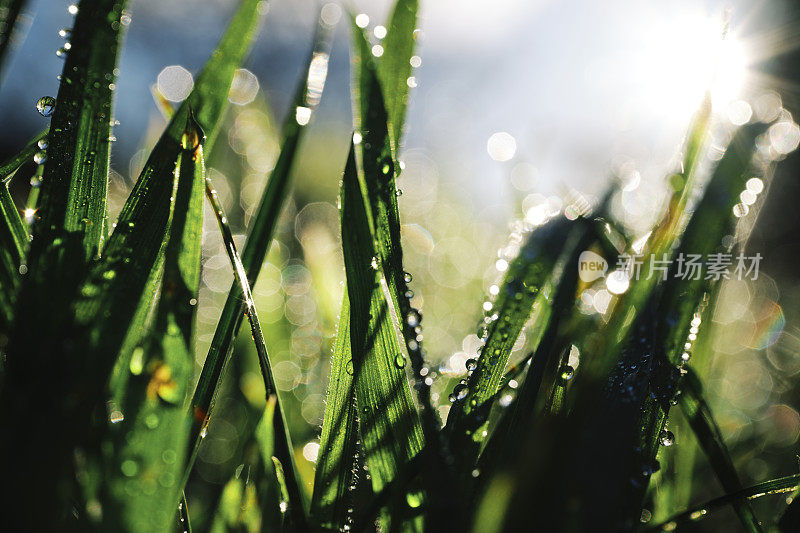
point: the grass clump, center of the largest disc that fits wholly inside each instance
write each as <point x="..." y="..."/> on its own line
<point x="103" y="417"/>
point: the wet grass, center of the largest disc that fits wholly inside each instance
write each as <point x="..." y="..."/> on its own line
<point x="102" y="415"/>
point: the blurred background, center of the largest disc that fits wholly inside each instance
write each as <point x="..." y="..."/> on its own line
<point x="515" y="107"/>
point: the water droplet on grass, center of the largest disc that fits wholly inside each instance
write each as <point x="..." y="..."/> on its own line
<point x="46" y="105"/>
<point x="39" y="158"/>
<point x="667" y="438"/>
<point x="459" y="393"/>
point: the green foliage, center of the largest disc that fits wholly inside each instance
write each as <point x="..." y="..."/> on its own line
<point x="101" y="425"/>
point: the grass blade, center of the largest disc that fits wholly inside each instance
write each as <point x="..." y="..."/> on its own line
<point x="262" y="228"/>
<point x="81" y="348"/>
<point x="661" y="242"/>
<point x="377" y="167"/>
<point x="10" y="167"/>
<point x="14" y="241"/>
<point x="710" y="439"/>
<point x="331" y="499"/>
<point x="274" y="503"/>
<point x="389" y="425"/>
<point x="143" y="475"/>
<point x="527" y="274"/>
<point x="73" y="193"/>
<point x="282" y="441"/>
<point x="183" y="515"/>
<point x="394" y="67"/>
<point x="773" y="486"/>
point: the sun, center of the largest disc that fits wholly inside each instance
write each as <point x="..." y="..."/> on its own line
<point x="682" y="61"/>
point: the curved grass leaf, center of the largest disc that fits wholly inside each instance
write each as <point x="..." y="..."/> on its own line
<point x="14" y="241"/>
<point x="660" y="242"/>
<point x="378" y="167"/>
<point x="207" y="101"/>
<point x="183" y="515"/>
<point x="9" y="168"/>
<point x="282" y="442"/>
<point x="109" y="316"/>
<point x="699" y="512"/>
<point x="542" y="379"/>
<point x="333" y="476"/>
<point x="526" y="276"/>
<point x="387" y="419"/>
<point x="710" y="439"/>
<point x="394" y="67"/>
<point x="73" y="193"/>
<point x="144" y="474"/>
<point x="262" y="228"/>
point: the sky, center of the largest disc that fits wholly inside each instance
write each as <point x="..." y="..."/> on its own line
<point x="581" y="88"/>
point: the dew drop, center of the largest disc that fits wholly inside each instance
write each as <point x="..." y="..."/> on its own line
<point x="459" y="393"/>
<point x="46" y="105"/>
<point x="666" y="437"/>
<point x="567" y="372"/>
<point x="471" y="364"/>
<point x="39" y="158"/>
<point x="349" y="367"/>
<point x="42" y="144"/>
<point x="413" y="318"/>
<point x="400" y="361"/>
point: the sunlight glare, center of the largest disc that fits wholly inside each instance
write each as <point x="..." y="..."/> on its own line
<point x="682" y="60"/>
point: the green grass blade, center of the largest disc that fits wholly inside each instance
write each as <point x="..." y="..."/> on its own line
<point x="238" y="509"/>
<point x="394" y="67"/>
<point x="661" y="242"/>
<point x="774" y="486"/>
<point x="109" y="317"/>
<point x="183" y="515"/>
<point x="10" y="11"/>
<point x="389" y="425"/>
<point x="526" y="276"/>
<point x="144" y="474"/>
<point x="378" y="169"/>
<point x="14" y="241"/>
<point x="273" y="509"/>
<point x="284" y="451"/>
<point x="9" y="168"/>
<point x="710" y="439"/>
<point x="207" y="100"/>
<point x="330" y="501"/>
<point x="262" y="227"/>
<point x="73" y="193"/>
